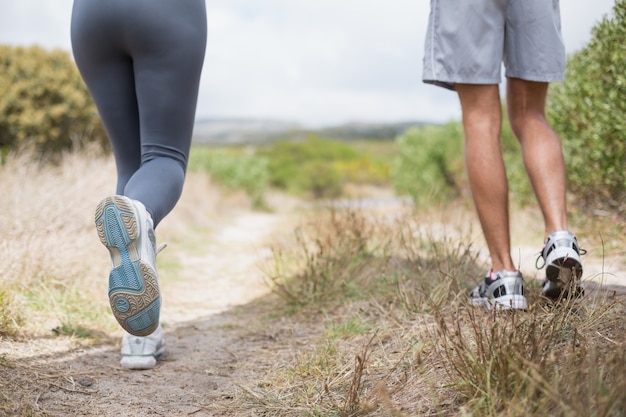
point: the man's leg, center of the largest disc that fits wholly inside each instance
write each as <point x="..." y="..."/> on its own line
<point x="482" y="122"/>
<point x="541" y="149"/>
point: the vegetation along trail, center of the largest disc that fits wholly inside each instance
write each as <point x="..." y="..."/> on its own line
<point x="347" y="309"/>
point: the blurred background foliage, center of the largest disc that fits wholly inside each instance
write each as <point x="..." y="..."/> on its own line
<point x="589" y="112"/>
<point x="320" y="167"/>
<point x="44" y="103"/>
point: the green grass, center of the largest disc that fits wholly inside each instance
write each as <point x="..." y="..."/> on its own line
<point x="71" y="330"/>
<point x="71" y="307"/>
<point x="351" y="326"/>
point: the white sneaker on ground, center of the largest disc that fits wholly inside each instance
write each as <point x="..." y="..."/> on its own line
<point x="561" y="256"/>
<point x="126" y="229"/>
<point x="503" y="290"/>
<point x="142" y="352"/>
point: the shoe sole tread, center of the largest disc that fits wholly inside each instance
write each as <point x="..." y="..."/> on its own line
<point x="133" y="286"/>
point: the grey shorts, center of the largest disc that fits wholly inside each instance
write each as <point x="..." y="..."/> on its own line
<point x="468" y="41"/>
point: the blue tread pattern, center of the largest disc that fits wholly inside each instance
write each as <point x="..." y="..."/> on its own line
<point x="133" y="287"/>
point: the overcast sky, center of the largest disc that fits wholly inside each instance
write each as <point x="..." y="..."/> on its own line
<point x="317" y="62"/>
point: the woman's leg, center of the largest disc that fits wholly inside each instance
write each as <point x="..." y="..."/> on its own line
<point x="108" y="72"/>
<point x="168" y="44"/>
<point x="142" y="62"/>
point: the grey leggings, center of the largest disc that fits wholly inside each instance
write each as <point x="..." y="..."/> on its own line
<point x="141" y="61"/>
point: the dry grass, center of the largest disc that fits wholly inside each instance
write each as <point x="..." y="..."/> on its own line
<point x="317" y="267"/>
<point x="46" y="233"/>
<point x="401" y="339"/>
<point x="53" y="269"/>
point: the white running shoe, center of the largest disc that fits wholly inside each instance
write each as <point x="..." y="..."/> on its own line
<point x="561" y="256"/>
<point x="502" y="290"/>
<point x="142" y="352"/>
<point x="126" y="229"/>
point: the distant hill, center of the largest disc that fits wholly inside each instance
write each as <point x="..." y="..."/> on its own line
<point x="378" y="131"/>
<point x="253" y="131"/>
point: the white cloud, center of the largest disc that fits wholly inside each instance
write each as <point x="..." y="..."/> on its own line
<point x="28" y="22"/>
<point x="314" y="61"/>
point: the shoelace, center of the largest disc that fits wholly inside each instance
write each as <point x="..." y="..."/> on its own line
<point x="160" y="248"/>
<point x="581" y="251"/>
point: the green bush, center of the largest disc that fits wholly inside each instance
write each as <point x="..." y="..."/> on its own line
<point x="320" y="179"/>
<point x="520" y="189"/>
<point x="43" y="101"/>
<point x="364" y="170"/>
<point x="589" y="112"/>
<point x="320" y="167"/>
<point x="233" y="169"/>
<point x="429" y="166"/>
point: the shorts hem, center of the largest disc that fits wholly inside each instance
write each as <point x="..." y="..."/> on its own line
<point x="540" y="78"/>
<point x="450" y="84"/>
<point x="443" y="84"/>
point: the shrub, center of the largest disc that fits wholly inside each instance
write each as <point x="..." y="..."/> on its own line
<point x="588" y="110"/>
<point x="319" y="179"/>
<point x="364" y="170"/>
<point x="43" y="101"/>
<point x="234" y="170"/>
<point x="429" y="166"/>
<point x="520" y="189"/>
<point x="320" y="167"/>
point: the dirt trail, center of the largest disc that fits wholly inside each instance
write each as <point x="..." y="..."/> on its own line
<point x="212" y="346"/>
<point x="224" y="273"/>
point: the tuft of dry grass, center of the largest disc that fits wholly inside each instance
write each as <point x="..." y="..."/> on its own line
<point x="326" y="259"/>
<point x="553" y="359"/>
